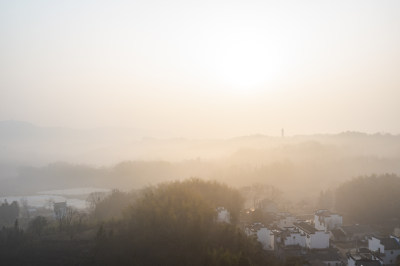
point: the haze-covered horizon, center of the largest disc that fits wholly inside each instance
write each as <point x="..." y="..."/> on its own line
<point x="39" y="158"/>
<point x="143" y="133"/>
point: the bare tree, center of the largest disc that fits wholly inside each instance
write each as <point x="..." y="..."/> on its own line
<point x="94" y="198"/>
<point x="24" y="209"/>
<point x="262" y="192"/>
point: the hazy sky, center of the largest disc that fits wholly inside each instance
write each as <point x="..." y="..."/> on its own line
<point x="202" y="68"/>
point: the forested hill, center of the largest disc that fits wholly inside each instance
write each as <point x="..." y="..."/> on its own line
<point x="294" y="164"/>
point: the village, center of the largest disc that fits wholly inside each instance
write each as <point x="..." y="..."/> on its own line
<point x="323" y="239"/>
<point x="266" y="227"/>
<point x="318" y="239"/>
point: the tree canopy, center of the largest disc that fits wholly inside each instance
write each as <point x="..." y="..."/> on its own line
<point x="8" y="213"/>
<point x="370" y="199"/>
<point x="175" y="224"/>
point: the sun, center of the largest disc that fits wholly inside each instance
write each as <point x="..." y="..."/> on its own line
<point x="246" y="64"/>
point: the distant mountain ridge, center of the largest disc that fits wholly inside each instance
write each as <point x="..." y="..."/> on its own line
<point x="93" y="157"/>
<point x="25" y="143"/>
<point x="14" y="128"/>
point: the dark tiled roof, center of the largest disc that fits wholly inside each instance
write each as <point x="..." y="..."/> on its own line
<point x="308" y="228"/>
<point x="288" y="233"/>
<point x="255" y="226"/>
<point x="363" y="254"/>
<point x="364" y="250"/>
<point x="368" y="263"/>
<point x="323" y="213"/>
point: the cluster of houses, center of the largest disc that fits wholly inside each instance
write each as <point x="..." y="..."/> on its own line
<point x="380" y="251"/>
<point x="322" y="239"/>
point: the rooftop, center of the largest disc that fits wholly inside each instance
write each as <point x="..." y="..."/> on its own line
<point x="324" y="213"/>
<point x="308" y="228"/>
<point x="366" y="262"/>
<point x="256" y="226"/>
<point x="363" y="254"/>
<point x="288" y="232"/>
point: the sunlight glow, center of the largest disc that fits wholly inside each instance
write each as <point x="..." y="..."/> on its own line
<point x="245" y="63"/>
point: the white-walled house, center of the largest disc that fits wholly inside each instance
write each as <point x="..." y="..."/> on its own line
<point x="303" y="235"/>
<point x="264" y="235"/>
<point x="325" y="220"/>
<point x="223" y="215"/>
<point x="292" y="237"/>
<point x="315" y="239"/>
<point x="396" y="232"/>
<point x="362" y="257"/>
<point x="266" y="238"/>
<point x="387" y="248"/>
